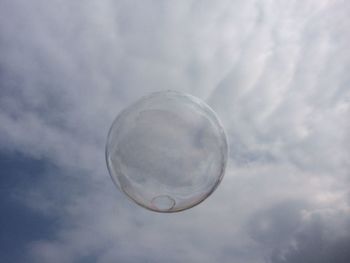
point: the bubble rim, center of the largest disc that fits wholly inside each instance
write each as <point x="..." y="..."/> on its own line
<point x="221" y="130"/>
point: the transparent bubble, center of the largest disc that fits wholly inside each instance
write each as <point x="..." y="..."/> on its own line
<point x="167" y="152"/>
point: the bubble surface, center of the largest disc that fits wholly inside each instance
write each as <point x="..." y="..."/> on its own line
<point x="167" y="152"/>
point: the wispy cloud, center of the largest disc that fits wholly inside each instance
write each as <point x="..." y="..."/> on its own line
<point x="275" y="72"/>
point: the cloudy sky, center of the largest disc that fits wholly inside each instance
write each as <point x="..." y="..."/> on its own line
<point x="276" y="73"/>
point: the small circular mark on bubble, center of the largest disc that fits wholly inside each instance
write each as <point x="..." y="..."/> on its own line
<point x="163" y="202"/>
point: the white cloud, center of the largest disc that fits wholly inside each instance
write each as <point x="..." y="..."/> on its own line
<point x="275" y="72"/>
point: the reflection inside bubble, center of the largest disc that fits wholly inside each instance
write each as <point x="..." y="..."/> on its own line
<point x="167" y="152"/>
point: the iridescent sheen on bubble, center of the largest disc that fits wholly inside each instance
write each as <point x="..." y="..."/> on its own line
<point x="167" y="152"/>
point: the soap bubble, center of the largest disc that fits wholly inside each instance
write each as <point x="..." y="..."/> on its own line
<point x="167" y="152"/>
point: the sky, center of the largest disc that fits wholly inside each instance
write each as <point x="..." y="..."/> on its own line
<point x="275" y="72"/>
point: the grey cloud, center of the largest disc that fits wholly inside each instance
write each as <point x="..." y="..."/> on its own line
<point x="294" y="231"/>
<point x="274" y="226"/>
<point x="315" y="243"/>
<point x="275" y="72"/>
